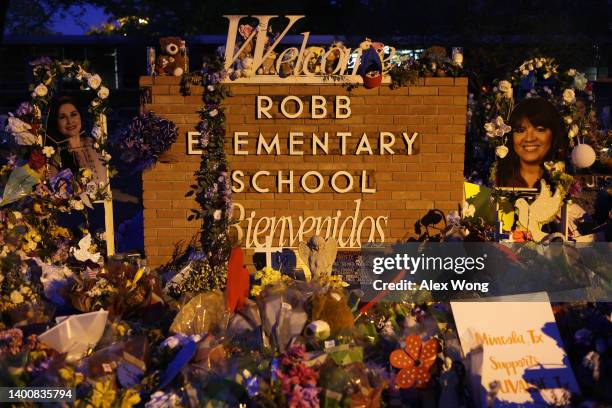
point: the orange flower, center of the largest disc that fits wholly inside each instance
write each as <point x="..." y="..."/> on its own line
<point x="415" y="361"/>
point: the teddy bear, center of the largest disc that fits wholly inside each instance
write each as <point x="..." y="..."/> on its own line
<point x="171" y="60"/>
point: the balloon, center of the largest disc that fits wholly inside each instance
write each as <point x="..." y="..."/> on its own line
<point x="583" y="156"/>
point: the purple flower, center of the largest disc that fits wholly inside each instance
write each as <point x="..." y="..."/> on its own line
<point x="44" y="61"/>
<point x="575" y="189"/>
<point x="25" y="108"/>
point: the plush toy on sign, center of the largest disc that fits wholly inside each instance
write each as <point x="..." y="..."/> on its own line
<point x="370" y="65"/>
<point x="171" y="60"/>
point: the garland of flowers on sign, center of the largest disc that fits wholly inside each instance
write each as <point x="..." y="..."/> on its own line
<point x="33" y="198"/>
<point x="569" y="91"/>
<point x="212" y="190"/>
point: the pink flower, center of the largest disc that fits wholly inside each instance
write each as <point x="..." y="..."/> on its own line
<point x="245" y="30"/>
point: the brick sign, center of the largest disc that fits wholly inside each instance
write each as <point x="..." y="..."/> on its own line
<point x="314" y="159"/>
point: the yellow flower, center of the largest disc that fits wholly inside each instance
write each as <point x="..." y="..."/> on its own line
<point x="37" y="208"/>
<point x="256" y="290"/>
<point x="130" y="398"/>
<point x="66" y="374"/>
<point x="103" y="394"/>
<point x="87" y="173"/>
<point x="16" y="297"/>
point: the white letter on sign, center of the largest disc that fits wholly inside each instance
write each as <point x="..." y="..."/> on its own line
<point x="409" y="141"/>
<point x="317" y="107"/>
<point x="192" y="143"/>
<point x="238" y="142"/>
<point x="299" y="109"/>
<point x="343" y="107"/>
<point x="264" y="108"/>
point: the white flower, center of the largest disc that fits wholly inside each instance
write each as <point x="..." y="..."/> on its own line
<point x="506" y="88"/>
<point x="568" y="119"/>
<point x="19" y="129"/>
<point x="217" y="215"/>
<point x="172" y="342"/>
<point x="94" y="81"/>
<point x="573" y="132"/>
<point x="40" y="90"/>
<point x="210" y="88"/>
<point x="16" y="297"/>
<point x="95" y="102"/>
<point x="497" y="127"/>
<point x="571" y="72"/>
<point x="213" y="113"/>
<point x="96" y="132"/>
<point x="468" y="210"/>
<point x="16" y="125"/>
<point x="580" y="81"/>
<point x="103" y="92"/>
<point x="554" y="166"/>
<point x="569" y="96"/>
<point x="48" y="151"/>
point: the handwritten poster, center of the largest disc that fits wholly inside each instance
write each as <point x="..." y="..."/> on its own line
<point x="523" y="360"/>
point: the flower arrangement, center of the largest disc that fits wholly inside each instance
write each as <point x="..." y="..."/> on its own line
<point x="145" y="139"/>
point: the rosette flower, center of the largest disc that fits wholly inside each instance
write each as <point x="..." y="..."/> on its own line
<point x="37" y="160"/>
<point x="414" y="362"/>
<point x="103" y="92"/>
<point x="505" y="87"/>
<point x="580" y="81"/>
<point x="94" y="81"/>
<point x="569" y="96"/>
<point x="40" y="90"/>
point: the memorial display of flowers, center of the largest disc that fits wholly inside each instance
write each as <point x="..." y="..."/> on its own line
<point x="121" y="334"/>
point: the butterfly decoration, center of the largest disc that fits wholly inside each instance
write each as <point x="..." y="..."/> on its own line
<point x="414" y="361"/>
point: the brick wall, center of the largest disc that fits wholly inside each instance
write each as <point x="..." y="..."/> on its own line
<point x="407" y="186"/>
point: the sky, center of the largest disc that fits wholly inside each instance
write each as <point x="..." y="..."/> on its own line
<point x="94" y="16"/>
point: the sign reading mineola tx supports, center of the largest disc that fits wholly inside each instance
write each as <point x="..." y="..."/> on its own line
<point x="521" y="346"/>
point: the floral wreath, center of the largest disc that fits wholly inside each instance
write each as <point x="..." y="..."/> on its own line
<point x="540" y="77"/>
<point x="26" y="124"/>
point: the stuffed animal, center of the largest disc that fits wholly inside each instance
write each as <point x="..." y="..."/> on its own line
<point x="246" y="67"/>
<point x="171" y="60"/>
<point x="332" y="307"/>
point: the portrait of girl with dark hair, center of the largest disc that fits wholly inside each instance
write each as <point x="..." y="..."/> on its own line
<point x="66" y="133"/>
